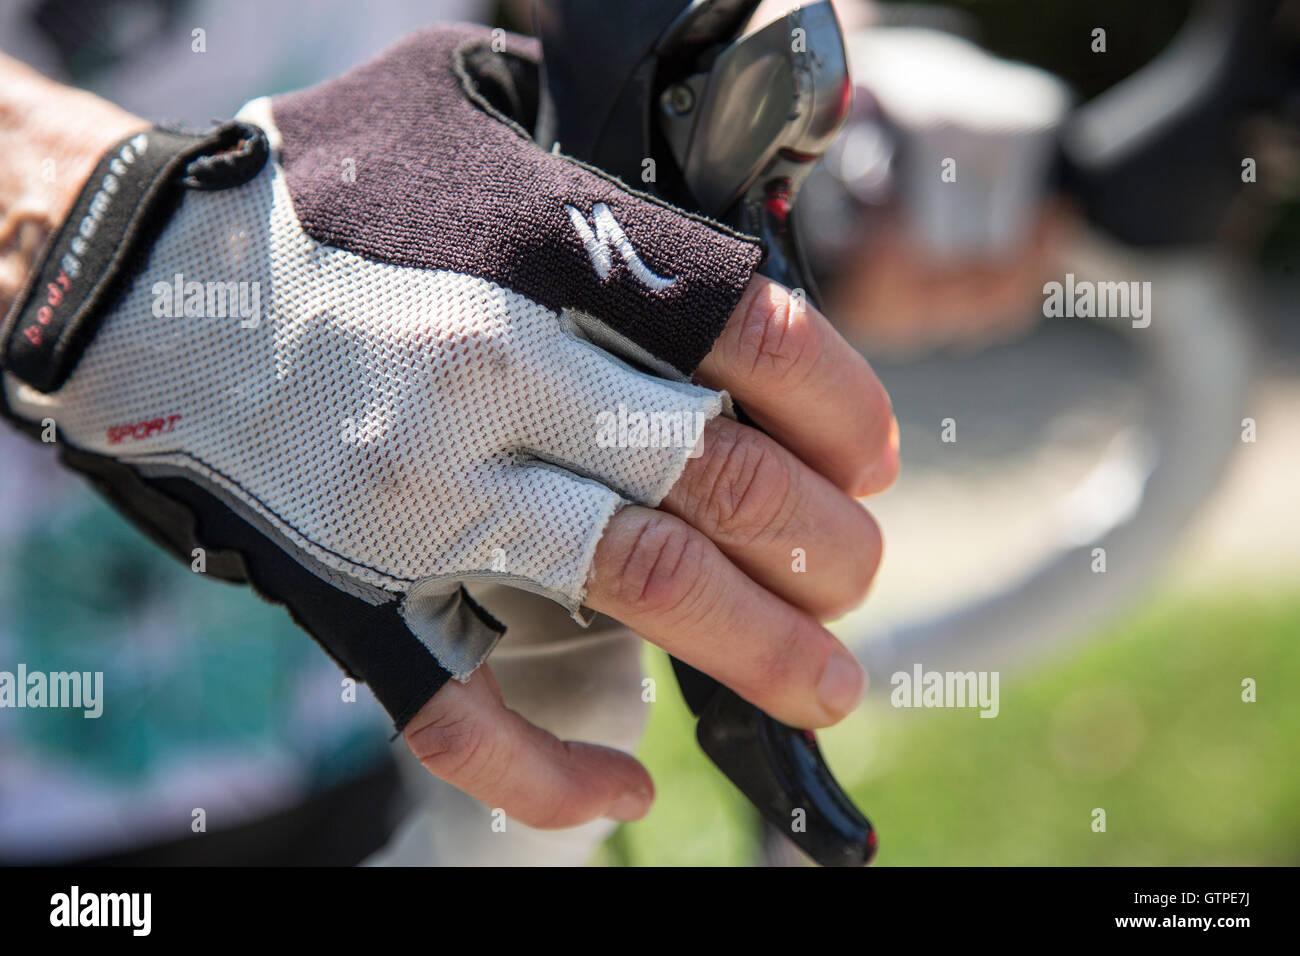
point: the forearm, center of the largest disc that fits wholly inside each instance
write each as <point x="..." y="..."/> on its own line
<point x="50" y="138"/>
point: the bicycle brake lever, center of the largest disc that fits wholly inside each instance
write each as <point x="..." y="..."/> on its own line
<point x="746" y="132"/>
<point x="733" y="125"/>
<point x="780" y="769"/>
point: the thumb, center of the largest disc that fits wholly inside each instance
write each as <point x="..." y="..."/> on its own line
<point x="466" y="736"/>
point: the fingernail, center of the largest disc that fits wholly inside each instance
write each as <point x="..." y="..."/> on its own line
<point x="842" y="685"/>
<point x="884" y="471"/>
<point x="633" y="805"/>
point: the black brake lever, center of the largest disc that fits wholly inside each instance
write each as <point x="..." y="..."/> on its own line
<point x="734" y="126"/>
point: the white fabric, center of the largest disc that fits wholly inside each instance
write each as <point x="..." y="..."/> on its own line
<point x="395" y="425"/>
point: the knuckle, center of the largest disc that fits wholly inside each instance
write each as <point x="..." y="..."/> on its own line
<point x="743" y="488"/>
<point x="657" y="566"/>
<point x="775" y="339"/>
<point x="777" y="665"/>
<point x="453" y="748"/>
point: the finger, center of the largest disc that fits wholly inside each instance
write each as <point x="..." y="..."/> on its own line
<point x="664" y="579"/>
<point x="783" y="524"/>
<point x="466" y="736"/>
<point x="800" y="381"/>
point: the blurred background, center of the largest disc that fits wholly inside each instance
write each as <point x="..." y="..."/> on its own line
<point x="1120" y="690"/>
<point x="1174" y="448"/>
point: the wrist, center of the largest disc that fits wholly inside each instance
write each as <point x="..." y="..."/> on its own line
<point x="51" y="136"/>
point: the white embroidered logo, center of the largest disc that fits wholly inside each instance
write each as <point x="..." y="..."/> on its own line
<point x="608" y="233"/>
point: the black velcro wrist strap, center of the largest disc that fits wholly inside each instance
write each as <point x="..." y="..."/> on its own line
<point x="123" y="207"/>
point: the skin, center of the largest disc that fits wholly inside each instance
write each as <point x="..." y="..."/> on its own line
<point x="51" y="136"/>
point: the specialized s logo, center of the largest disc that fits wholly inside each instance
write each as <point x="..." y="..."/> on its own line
<point x="607" y="238"/>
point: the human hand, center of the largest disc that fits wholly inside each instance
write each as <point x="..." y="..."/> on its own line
<point x="708" y="575"/>
<point x="417" y="392"/>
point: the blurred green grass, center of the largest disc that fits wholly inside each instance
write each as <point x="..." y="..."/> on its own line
<point x="1146" y="721"/>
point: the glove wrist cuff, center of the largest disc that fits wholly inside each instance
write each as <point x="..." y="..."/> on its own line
<point x="129" y="197"/>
